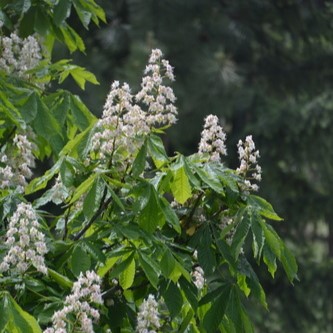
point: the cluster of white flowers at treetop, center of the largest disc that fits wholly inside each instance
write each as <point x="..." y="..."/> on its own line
<point x="148" y="319"/>
<point x="198" y="277"/>
<point x="25" y="241"/>
<point x="249" y="167"/>
<point x="19" y="160"/>
<point x="86" y="291"/>
<point x="18" y="55"/>
<point x="213" y="139"/>
<point x="158" y="97"/>
<point x="124" y="123"/>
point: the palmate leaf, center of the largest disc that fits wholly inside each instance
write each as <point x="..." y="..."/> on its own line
<point x="249" y="282"/>
<point x="150" y="268"/>
<point x="180" y="185"/>
<point x="241" y="232"/>
<point x="172" y="297"/>
<point x="126" y="277"/>
<point x="237" y="314"/>
<point x="210" y="177"/>
<point x="80" y="261"/>
<point x="263" y="207"/>
<point x="277" y="249"/>
<point x="257" y="236"/>
<point x="156" y="150"/>
<point x="214" y="315"/>
<point x="13" y="318"/>
<point x="148" y="207"/>
<point x="61" y="11"/>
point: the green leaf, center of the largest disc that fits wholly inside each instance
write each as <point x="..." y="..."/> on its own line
<point x="173" y="298"/>
<point x="269" y="260"/>
<point x="237" y="314"/>
<point x="151" y="215"/>
<point x="84" y="187"/>
<point x="96" y="10"/>
<point x="13" y="318"/>
<point x="214" y="315"/>
<point x="126" y="277"/>
<point x="62" y="280"/>
<point x="29" y="108"/>
<point x="41" y="182"/>
<point x="42" y="22"/>
<point x="168" y="263"/>
<point x="206" y="256"/>
<point x="80" y="261"/>
<point x="170" y="215"/>
<point x="210" y="178"/>
<point x="126" y="261"/>
<point x="9" y="109"/>
<point x="62" y="11"/>
<point x="81" y="75"/>
<point x="67" y="173"/>
<point x="251" y="283"/>
<point x="140" y="161"/>
<point x="150" y="268"/>
<point x="190" y="292"/>
<point x="83" y="118"/>
<point x="241" y="281"/>
<point x="272" y="239"/>
<point x="73" y="147"/>
<point x="258" y="237"/>
<point x="263" y="207"/>
<point x="92" y="200"/>
<point x="186" y="321"/>
<point x="156" y="150"/>
<point x="109" y="263"/>
<point x="289" y="264"/>
<point x="241" y="232"/>
<point x="84" y="15"/>
<point x="72" y="40"/>
<point x="225" y="251"/>
<point x="94" y="249"/>
<point x="46" y="125"/>
<point x="180" y="185"/>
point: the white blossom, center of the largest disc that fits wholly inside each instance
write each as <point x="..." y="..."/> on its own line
<point x="18" y="55"/>
<point x="213" y="139"/>
<point x="198" y="277"/>
<point x="157" y="97"/>
<point x="85" y="291"/>
<point x="124" y="124"/>
<point x="148" y="318"/>
<point x="17" y="160"/>
<point x="249" y="167"/>
<point x="25" y="242"/>
<point x="59" y="191"/>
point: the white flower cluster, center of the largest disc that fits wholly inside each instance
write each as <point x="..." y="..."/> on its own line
<point x="213" y="139"/>
<point x="121" y="123"/>
<point x="198" y="277"/>
<point x="148" y="319"/>
<point x="86" y="290"/>
<point x="124" y="123"/>
<point x="158" y="97"/>
<point x="59" y="191"/>
<point x="249" y="167"/>
<point x="18" y="160"/>
<point x="19" y="55"/>
<point x="25" y="241"/>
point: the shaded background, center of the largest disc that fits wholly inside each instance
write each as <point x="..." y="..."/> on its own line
<point x="266" y="69"/>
